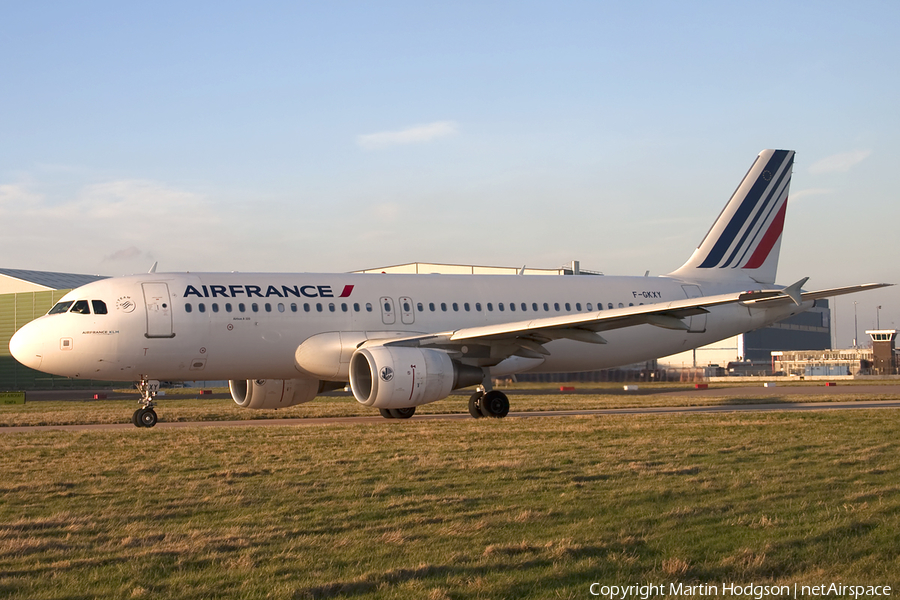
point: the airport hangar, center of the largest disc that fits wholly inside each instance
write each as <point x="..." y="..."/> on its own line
<point x="26" y="295"/>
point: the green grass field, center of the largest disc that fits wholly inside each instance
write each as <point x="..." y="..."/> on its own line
<point x="514" y="508"/>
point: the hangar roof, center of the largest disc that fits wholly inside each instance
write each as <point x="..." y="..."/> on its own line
<point x="452" y="269"/>
<point x="28" y="280"/>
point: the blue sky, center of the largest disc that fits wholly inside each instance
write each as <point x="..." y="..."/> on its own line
<point x="338" y="136"/>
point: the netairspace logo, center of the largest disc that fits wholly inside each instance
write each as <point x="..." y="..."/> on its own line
<point x="734" y="590"/>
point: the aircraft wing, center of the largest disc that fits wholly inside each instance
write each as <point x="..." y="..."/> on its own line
<point x="526" y="338"/>
<point x="817" y="295"/>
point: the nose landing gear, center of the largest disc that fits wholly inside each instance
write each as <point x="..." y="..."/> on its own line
<point x="146" y="416"/>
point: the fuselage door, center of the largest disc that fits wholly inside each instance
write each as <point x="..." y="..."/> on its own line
<point x="159" y="310"/>
<point x="697" y="323"/>
<point x="407" y="314"/>
<point x="387" y="311"/>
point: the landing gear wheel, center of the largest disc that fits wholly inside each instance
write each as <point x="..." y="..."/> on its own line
<point x="495" y="404"/>
<point x="475" y="405"/>
<point x="403" y="413"/>
<point x="147" y="417"/>
<point x="386" y="413"/>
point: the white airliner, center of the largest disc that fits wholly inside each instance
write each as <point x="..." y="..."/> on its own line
<point x="406" y="340"/>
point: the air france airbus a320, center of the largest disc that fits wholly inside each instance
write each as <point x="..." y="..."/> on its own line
<point x="406" y="340"/>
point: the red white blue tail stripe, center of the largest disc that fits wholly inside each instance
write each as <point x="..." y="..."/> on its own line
<point x="747" y="235"/>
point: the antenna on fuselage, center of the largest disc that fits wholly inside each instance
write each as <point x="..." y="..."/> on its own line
<point x="153" y="268"/>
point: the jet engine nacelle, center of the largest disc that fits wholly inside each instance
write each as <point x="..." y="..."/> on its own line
<point x="327" y="355"/>
<point x="272" y="393"/>
<point x="401" y="377"/>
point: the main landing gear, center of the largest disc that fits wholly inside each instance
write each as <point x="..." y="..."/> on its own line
<point x="146" y="416"/>
<point x="397" y="413"/>
<point x="492" y="403"/>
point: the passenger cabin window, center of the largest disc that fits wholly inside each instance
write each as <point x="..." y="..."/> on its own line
<point x="60" y="307"/>
<point x="99" y="307"/>
<point x="478" y="306"/>
<point x="546" y="307"/>
<point x="188" y="308"/>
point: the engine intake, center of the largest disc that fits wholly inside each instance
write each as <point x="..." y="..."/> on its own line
<point x="401" y="377"/>
<point x="272" y="393"/>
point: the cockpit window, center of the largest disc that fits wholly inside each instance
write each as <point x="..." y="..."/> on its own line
<point x="99" y="307"/>
<point x="60" y="307"/>
<point x="81" y="307"/>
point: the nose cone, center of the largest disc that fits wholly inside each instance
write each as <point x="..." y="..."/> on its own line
<point x="27" y="346"/>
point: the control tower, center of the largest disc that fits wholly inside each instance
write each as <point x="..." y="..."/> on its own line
<point x="884" y="352"/>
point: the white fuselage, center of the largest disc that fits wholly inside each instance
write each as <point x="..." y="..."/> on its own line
<point x="214" y="326"/>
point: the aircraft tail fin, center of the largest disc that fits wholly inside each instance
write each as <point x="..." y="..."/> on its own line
<point x="745" y="240"/>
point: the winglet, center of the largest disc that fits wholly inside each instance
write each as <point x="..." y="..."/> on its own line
<point x="793" y="291"/>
